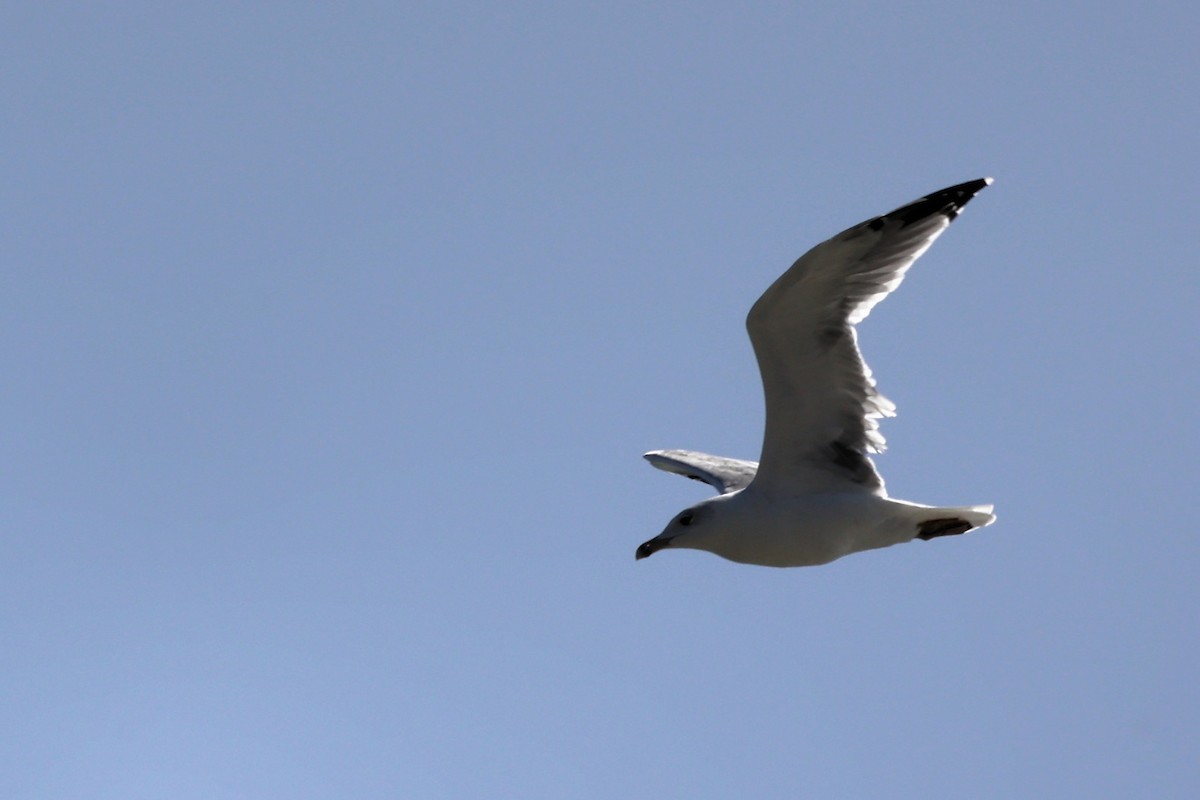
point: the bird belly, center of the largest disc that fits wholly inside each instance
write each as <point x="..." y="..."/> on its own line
<point x="817" y="529"/>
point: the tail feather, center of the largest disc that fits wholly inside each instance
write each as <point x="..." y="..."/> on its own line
<point x="978" y="516"/>
<point x="955" y="520"/>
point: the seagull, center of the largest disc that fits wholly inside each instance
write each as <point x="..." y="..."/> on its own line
<point x="814" y="495"/>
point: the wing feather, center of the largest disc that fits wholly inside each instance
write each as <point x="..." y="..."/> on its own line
<point x="822" y="404"/>
<point x="723" y="474"/>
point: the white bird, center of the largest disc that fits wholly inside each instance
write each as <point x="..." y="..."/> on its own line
<point x="815" y="495"/>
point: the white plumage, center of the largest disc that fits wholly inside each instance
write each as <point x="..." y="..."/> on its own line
<point x="815" y="494"/>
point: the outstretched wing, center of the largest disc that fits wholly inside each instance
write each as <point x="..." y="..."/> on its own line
<point x="822" y="405"/>
<point x="723" y="474"/>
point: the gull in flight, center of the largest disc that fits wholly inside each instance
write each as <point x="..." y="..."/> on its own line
<point x="815" y="495"/>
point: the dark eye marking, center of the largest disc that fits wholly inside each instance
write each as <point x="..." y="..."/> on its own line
<point x="685" y="519"/>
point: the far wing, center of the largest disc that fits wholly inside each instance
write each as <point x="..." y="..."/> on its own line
<point x="723" y="474"/>
<point x="822" y="405"/>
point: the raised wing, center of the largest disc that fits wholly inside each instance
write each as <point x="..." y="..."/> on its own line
<point x="723" y="474"/>
<point x="822" y="405"/>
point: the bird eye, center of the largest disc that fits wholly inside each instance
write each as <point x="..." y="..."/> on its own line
<point x="685" y="519"/>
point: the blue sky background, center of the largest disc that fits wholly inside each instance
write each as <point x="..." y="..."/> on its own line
<point x="332" y="336"/>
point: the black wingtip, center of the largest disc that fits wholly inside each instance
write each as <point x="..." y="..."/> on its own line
<point x="949" y="201"/>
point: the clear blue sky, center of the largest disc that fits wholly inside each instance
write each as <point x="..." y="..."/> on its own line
<point x="333" y="335"/>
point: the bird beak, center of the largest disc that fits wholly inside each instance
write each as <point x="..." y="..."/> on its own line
<point x="653" y="546"/>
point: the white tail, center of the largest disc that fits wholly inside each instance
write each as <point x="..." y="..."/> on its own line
<point x="953" y="520"/>
<point x="978" y="516"/>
